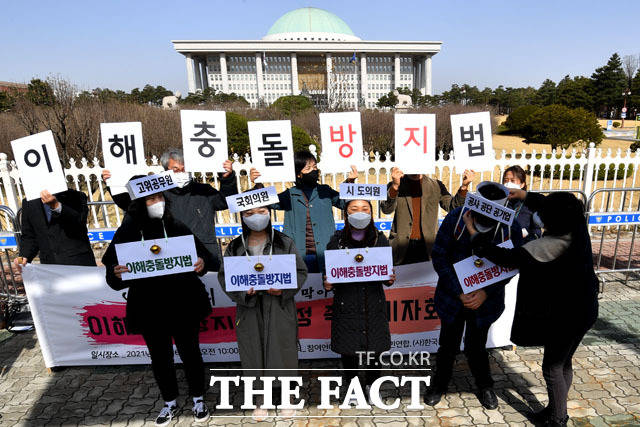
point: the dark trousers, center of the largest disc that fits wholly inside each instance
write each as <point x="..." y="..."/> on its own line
<point x="558" y="371"/>
<point x="475" y="341"/>
<point x="416" y="252"/>
<point x="351" y="362"/>
<point x="160" y="347"/>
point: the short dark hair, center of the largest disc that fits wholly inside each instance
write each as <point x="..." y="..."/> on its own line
<point x="519" y="173"/>
<point x="300" y="159"/>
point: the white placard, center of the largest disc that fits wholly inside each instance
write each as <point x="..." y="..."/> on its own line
<point x="151" y="184"/>
<point x="204" y="140"/>
<point x="279" y="272"/>
<point x="252" y="199"/>
<point x="415" y="143"/>
<point x="489" y="208"/>
<point x="272" y="150"/>
<point x="342" y="267"/>
<point x="353" y="191"/>
<point x="341" y="135"/>
<point x="38" y="163"/>
<point x="123" y="151"/>
<point x="472" y="278"/>
<point x="177" y="255"/>
<point x="472" y="141"/>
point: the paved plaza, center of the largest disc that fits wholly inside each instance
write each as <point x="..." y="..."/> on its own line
<point x="606" y="387"/>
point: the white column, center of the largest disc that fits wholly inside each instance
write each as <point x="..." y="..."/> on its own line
<point x="198" y="74"/>
<point x="427" y="73"/>
<point x="191" y="79"/>
<point x="329" y="75"/>
<point x="363" y="78"/>
<point x="396" y="77"/>
<point x="295" y="90"/>
<point x="223" y="72"/>
<point x="260" y="90"/>
<point x="205" y="74"/>
<point x="419" y="79"/>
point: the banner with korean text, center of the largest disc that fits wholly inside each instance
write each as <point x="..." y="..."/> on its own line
<point x="80" y="320"/>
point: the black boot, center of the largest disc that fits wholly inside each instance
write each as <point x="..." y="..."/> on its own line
<point x="488" y="398"/>
<point x="540" y="416"/>
<point x="433" y="397"/>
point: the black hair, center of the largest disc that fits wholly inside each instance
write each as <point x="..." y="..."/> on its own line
<point x="371" y="232"/>
<point x="300" y="160"/>
<point x="561" y="213"/>
<point x="519" y="173"/>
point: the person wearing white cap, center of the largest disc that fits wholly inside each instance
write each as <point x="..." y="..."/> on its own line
<point x="474" y="311"/>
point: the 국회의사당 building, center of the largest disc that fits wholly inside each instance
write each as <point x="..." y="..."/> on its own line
<point x="312" y="52"/>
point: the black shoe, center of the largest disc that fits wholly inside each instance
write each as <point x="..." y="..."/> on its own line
<point x="540" y="416"/>
<point x="433" y="397"/>
<point x="166" y="415"/>
<point x="200" y="411"/>
<point x="551" y="422"/>
<point x="488" y="398"/>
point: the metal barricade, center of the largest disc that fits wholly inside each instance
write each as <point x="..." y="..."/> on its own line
<point x="617" y="223"/>
<point x="12" y="294"/>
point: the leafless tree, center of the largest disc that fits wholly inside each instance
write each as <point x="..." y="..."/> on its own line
<point x="630" y="66"/>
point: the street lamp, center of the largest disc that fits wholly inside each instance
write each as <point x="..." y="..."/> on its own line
<point x="624" y="108"/>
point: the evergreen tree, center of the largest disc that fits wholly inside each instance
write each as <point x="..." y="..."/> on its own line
<point x="609" y="82"/>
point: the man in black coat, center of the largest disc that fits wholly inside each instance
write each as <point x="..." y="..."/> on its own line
<point x="55" y="226"/>
<point x="193" y="203"/>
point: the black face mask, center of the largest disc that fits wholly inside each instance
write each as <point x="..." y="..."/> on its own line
<point x="308" y="179"/>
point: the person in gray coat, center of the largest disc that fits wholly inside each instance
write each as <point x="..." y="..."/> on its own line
<point x="266" y="321"/>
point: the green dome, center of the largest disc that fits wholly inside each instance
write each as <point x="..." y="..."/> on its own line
<point x="310" y="20"/>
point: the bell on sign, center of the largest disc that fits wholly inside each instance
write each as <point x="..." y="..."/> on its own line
<point x="155" y="249"/>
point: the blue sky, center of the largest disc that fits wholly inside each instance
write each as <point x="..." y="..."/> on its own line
<point x="125" y="44"/>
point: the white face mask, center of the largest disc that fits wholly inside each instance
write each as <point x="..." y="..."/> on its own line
<point x="182" y="178"/>
<point x="481" y="228"/>
<point x="156" y="210"/>
<point x="512" y="185"/>
<point x="256" y="222"/>
<point x="359" y="220"/>
<point x="537" y="220"/>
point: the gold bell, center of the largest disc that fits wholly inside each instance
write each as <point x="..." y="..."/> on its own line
<point x="155" y="249"/>
<point x="359" y="258"/>
<point x="478" y="262"/>
<point x="258" y="267"/>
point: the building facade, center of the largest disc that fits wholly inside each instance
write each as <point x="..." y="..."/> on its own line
<point x="313" y="52"/>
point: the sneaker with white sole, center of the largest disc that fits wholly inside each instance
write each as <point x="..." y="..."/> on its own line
<point x="200" y="411"/>
<point x="166" y="415"/>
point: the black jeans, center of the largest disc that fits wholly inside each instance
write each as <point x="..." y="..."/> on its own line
<point x="557" y="370"/>
<point x="160" y="347"/>
<point x="351" y="362"/>
<point x="475" y="341"/>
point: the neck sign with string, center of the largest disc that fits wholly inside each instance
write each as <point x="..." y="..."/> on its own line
<point x="157" y="257"/>
<point x="358" y="264"/>
<point x="151" y="184"/>
<point x="488" y="208"/>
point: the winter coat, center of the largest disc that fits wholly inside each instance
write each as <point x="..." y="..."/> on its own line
<point x="447" y="251"/>
<point x="434" y="196"/>
<point x="163" y="302"/>
<point x="557" y="293"/>
<point x="525" y="219"/>
<point x="359" y="316"/>
<point x="267" y="325"/>
<point x="64" y="239"/>
<point x="195" y="205"/>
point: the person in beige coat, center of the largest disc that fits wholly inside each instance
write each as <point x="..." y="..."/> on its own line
<point x="414" y="200"/>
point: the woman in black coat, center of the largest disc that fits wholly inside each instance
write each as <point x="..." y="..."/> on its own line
<point x="164" y="308"/>
<point x="359" y="320"/>
<point x="557" y="299"/>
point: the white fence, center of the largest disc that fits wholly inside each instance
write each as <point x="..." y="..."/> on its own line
<point x="553" y="170"/>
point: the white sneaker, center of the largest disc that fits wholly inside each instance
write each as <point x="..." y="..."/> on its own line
<point x="200" y="411"/>
<point x="167" y="413"/>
